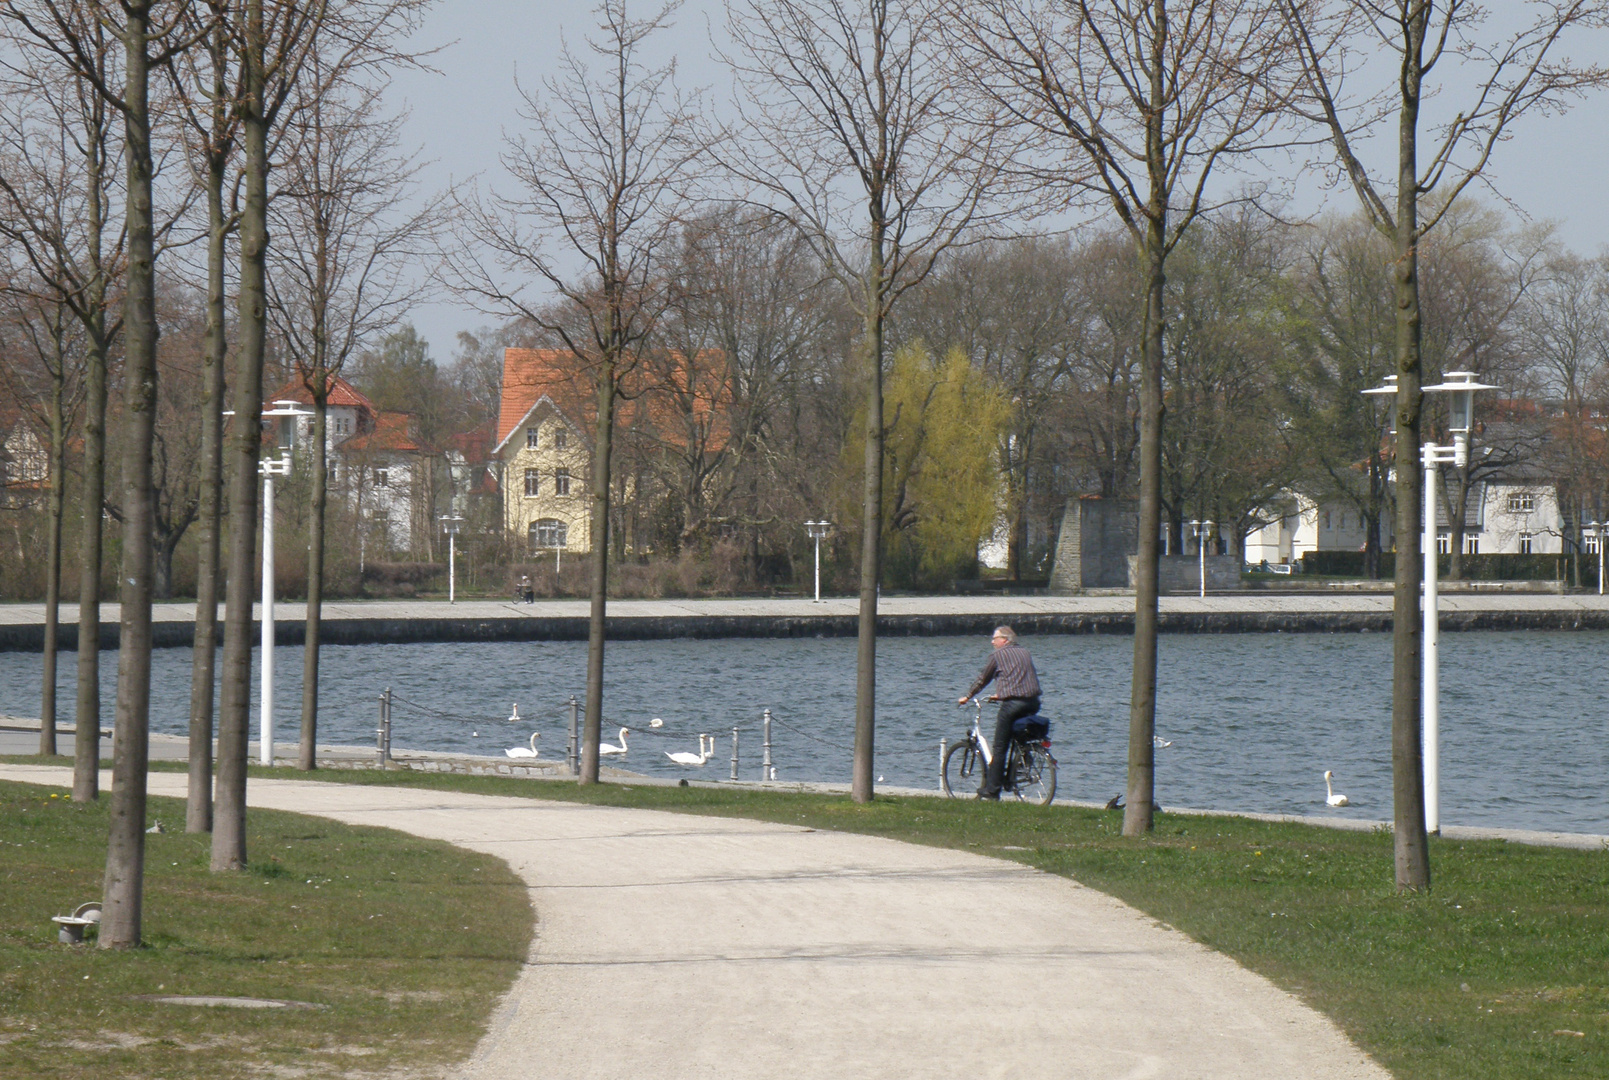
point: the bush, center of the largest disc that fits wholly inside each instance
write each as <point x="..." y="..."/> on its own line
<point x="1496" y="567"/>
<point x="402" y="578"/>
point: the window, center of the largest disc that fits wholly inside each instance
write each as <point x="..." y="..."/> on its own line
<point x="381" y="478"/>
<point x="1525" y="543"/>
<point x="560" y="437"/>
<point x="343" y="425"/>
<point x="1591" y="542"/>
<point x="1326" y="519"/>
<point x="1444" y="543"/>
<point x="561" y="482"/>
<point x="1522" y="504"/>
<point x="530" y="438"/>
<point x="1340" y="522"/>
<point x="548" y="533"/>
<point x="533" y="483"/>
<point x="1472" y="545"/>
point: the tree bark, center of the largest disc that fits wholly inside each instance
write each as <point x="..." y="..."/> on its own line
<point x="229" y="809"/>
<point x="603" y="439"/>
<point x="125" y="847"/>
<point x="1412" y="854"/>
<point x="307" y="750"/>
<point x="871" y="524"/>
<point x="58" y="453"/>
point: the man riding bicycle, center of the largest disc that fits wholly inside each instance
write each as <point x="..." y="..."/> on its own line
<point x="1016" y="688"/>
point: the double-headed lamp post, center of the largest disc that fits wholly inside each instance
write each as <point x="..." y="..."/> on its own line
<point x="451" y="522"/>
<point x="270" y="468"/>
<point x="1460" y="422"/>
<point x="1201" y="531"/>
<point x="817" y="530"/>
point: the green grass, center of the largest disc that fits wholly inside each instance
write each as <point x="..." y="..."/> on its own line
<point x="346" y="918"/>
<point x="1474" y="981"/>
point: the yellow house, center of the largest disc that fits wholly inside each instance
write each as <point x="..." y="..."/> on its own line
<point x="545" y="454"/>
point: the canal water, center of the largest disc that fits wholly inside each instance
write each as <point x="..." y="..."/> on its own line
<point x="1252" y="720"/>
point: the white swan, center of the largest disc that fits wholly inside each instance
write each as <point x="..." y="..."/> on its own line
<point x="520" y="751"/>
<point x="1330" y="797"/>
<point x="514" y="717"/>
<point x="1160" y="743"/>
<point x="684" y="758"/>
<point x="610" y="748"/>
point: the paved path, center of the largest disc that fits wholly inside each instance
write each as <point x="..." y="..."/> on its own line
<point x="673" y="946"/>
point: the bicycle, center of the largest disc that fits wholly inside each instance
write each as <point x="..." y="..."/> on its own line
<point x="1030" y="769"/>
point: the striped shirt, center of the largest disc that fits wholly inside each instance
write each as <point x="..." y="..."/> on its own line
<point x="1014" y="669"/>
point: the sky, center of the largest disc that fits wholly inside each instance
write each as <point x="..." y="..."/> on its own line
<point x="1553" y="168"/>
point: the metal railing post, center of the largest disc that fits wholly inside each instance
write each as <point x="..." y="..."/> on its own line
<point x="385" y="749"/>
<point x="575" y="738"/>
<point x="379" y="731"/>
<point x="767" y="770"/>
<point x="734" y="753"/>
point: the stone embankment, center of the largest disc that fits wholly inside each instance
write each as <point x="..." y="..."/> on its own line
<point x="349" y="623"/>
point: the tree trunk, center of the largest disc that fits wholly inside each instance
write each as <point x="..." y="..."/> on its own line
<point x="1141" y="790"/>
<point x="1412" y="855"/>
<point x="87" y="737"/>
<point x="592" y="726"/>
<point x="307" y="751"/>
<point x="871" y="539"/>
<point x="229" y="810"/>
<point x="204" y="650"/>
<point x="58" y="453"/>
<point x="125" y="846"/>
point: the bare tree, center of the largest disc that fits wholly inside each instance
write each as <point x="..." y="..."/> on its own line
<point x="600" y="181"/>
<point x="342" y="272"/>
<point x="1136" y="102"/>
<point x="76" y="253"/>
<point x="854" y="136"/>
<point x="1511" y="75"/>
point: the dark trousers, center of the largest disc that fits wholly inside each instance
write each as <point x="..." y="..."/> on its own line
<point x="1012" y="709"/>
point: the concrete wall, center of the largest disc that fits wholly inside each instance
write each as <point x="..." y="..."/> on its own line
<point x="1182" y="573"/>
<point x="1097" y="536"/>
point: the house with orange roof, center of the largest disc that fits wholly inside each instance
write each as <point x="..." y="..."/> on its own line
<point x="542" y="445"/>
<point x="378" y="465"/>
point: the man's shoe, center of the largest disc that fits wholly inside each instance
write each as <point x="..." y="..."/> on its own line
<point x="992" y="796"/>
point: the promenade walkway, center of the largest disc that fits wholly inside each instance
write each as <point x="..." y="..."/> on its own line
<point x="676" y="946"/>
<point x="21" y="625"/>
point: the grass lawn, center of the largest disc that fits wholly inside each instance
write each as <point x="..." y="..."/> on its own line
<point x="344" y="918"/>
<point x="1501" y="972"/>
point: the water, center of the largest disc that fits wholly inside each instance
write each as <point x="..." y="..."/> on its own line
<point x="1254" y="719"/>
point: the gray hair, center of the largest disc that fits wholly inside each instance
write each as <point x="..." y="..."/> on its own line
<point x="1006" y="632"/>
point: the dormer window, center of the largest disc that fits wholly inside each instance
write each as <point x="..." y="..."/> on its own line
<point x="560" y="437"/>
<point x="530" y="438"/>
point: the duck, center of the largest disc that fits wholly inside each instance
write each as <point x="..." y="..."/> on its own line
<point x="522" y="752"/>
<point x="682" y="757"/>
<point x="1330" y="797"/>
<point x="608" y="749"/>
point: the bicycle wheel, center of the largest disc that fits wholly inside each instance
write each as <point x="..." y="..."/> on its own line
<point x="1033" y="774"/>
<point x="960" y="774"/>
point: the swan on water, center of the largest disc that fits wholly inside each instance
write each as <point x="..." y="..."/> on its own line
<point x="656" y="722"/>
<point x="514" y="717"/>
<point x="1330" y="797"/>
<point x="1159" y="742"/>
<point x="520" y="751"/>
<point x="682" y="757"/>
<point x="611" y="748"/>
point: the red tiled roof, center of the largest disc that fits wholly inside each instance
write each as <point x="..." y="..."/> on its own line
<point x="341" y="393"/>
<point x="528" y="375"/>
<point x="392" y="431"/>
<point x="475" y="446"/>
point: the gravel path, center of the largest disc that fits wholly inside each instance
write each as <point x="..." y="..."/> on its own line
<point x="673" y="946"/>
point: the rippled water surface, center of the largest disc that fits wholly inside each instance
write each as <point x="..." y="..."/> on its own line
<point x="1254" y="719"/>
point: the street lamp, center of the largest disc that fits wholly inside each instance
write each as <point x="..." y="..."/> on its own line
<point x="450" y="522"/>
<point x="270" y="468"/>
<point x="1202" y="531"/>
<point x="1460" y="422"/>
<point x="817" y="530"/>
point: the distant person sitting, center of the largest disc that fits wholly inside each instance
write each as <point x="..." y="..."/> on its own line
<point x="1016" y="688"/>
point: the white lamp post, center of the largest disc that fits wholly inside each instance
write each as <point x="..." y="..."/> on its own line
<point x="270" y="468"/>
<point x="1462" y="386"/>
<point x="451" y="522"/>
<point x="817" y="530"/>
<point x="1202" y="531"/>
